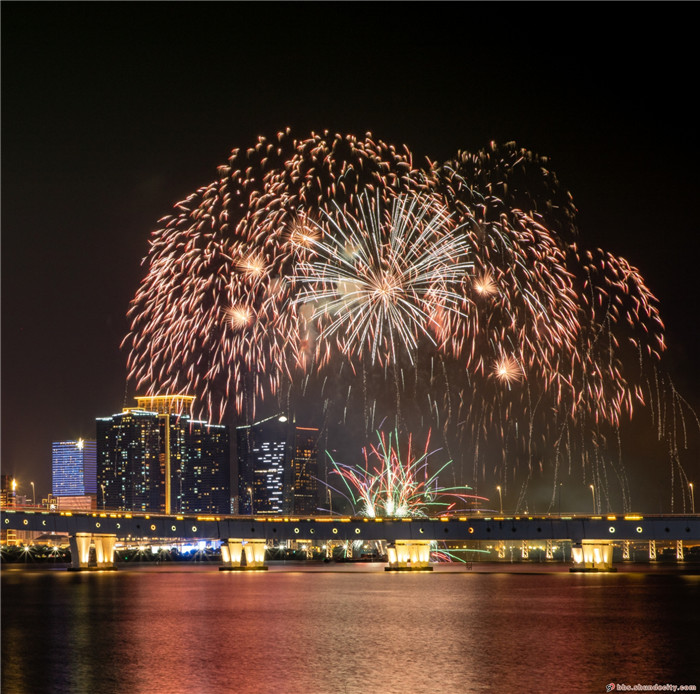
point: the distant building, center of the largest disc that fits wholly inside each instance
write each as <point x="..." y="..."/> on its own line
<point x="155" y="457"/>
<point x="207" y="485"/>
<point x="262" y="453"/>
<point x="277" y="467"/>
<point x="8" y="490"/>
<point x="74" y="468"/>
<point x="303" y="477"/>
<point x="128" y="468"/>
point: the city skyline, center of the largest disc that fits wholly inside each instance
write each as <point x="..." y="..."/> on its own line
<point x="107" y="176"/>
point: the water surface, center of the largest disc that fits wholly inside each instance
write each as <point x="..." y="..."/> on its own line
<point x="353" y="630"/>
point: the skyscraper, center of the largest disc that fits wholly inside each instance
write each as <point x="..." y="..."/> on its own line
<point x="154" y="457"/>
<point x="128" y="466"/>
<point x="172" y="455"/>
<point x="207" y="485"/>
<point x="262" y="454"/>
<point x="303" y="477"/>
<point x="277" y="467"/>
<point x="74" y="468"/>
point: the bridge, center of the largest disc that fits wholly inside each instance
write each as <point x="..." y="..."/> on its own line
<point x="408" y="539"/>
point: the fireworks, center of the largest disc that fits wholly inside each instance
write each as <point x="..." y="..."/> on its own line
<point x="507" y="369"/>
<point x="376" y="283"/>
<point x="392" y="487"/>
<point x="332" y="271"/>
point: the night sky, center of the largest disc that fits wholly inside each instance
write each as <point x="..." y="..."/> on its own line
<point x="111" y="113"/>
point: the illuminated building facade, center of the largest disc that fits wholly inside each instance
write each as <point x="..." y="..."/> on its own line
<point x="7" y="491"/>
<point x="303" y="472"/>
<point x="207" y="486"/>
<point x="8" y="497"/>
<point x="262" y="452"/>
<point x="74" y="468"/>
<point x="128" y="467"/>
<point x="277" y="467"/>
<point x="155" y="457"/>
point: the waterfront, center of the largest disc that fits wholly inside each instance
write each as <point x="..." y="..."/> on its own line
<point x="346" y="628"/>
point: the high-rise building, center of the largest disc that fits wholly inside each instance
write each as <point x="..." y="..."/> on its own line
<point x="262" y="453"/>
<point x="128" y="466"/>
<point x="172" y="456"/>
<point x="277" y="467"/>
<point x="207" y="485"/>
<point x="154" y="457"/>
<point x="303" y="477"/>
<point x="74" y="468"/>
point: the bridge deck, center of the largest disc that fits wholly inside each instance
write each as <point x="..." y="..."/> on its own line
<point x="323" y="528"/>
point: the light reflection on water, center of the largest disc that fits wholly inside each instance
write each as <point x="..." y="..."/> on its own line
<point x="357" y="630"/>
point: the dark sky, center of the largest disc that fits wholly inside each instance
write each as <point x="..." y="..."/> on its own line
<point x="112" y="112"/>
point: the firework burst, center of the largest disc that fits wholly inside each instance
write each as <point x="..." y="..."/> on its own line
<point x="377" y="282"/>
<point x="332" y="271"/>
<point x="389" y="485"/>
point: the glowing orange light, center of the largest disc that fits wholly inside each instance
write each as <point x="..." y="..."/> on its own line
<point x="507" y="369"/>
<point x="240" y="316"/>
<point x="485" y="285"/>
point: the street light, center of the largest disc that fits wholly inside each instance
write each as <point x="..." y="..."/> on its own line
<point x="692" y="498"/>
<point x="250" y="491"/>
<point x="33" y="494"/>
<point x="500" y="496"/>
<point x="593" y="494"/>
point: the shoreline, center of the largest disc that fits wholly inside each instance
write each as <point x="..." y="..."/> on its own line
<point x="515" y="568"/>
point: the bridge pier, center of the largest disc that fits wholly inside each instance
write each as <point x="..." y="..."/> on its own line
<point x="233" y="550"/>
<point x="524" y="551"/>
<point x="409" y="555"/>
<point x="80" y="544"/>
<point x="592" y="555"/>
<point x="626" y="550"/>
<point x="104" y="550"/>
